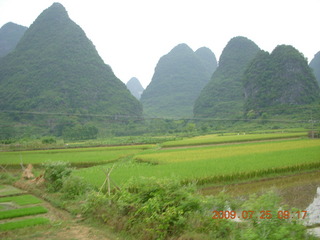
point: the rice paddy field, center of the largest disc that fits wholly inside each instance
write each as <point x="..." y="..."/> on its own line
<point x="20" y="210"/>
<point x="76" y="156"/>
<point x="208" y="159"/>
<point x="215" y="163"/>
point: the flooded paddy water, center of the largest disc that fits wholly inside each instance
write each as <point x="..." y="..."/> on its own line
<point x="301" y="191"/>
<point x="298" y="190"/>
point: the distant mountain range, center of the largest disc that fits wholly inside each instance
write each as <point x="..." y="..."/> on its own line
<point x="10" y="35"/>
<point x="55" y="68"/>
<point x="52" y="67"/>
<point x="178" y="79"/>
<point x="135" y="87"/>
<point x="282" y="78"/>
<point x="223" y="95"/>
<point x="315" y="65"/>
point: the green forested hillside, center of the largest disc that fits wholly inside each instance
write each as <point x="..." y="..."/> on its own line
<point x="135" y="87"/>
<point x="315" y="65"/>
<point x="223" y="95"/>
<point x="10" y="34"/>
<point x="55" y="68"/>
<point x="282" y="78"/>
<point x="177" y="81"/>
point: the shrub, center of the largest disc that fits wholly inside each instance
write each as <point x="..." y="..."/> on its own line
<point x="165" y="209"/>
<point x="49" y="140"/>
<point x="55" y="172"/>
<point x="153" y="208"/>
<point x="74" y="186"/>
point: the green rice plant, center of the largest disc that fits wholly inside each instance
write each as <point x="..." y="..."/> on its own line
<point x="78" y="156"/>
<point x="20" y="212"/>
<point x="9" y="190"/>
<point x="222" y="151"/>
<point x="216" y="139"/>
<point x="21" y="199"/>
<point x="215" y="163"/>
<point x="23" y="223"/>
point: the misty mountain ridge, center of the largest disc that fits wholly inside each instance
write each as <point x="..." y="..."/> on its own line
<point x="178" y="79"/>
<point x="10" y="35"/>
<point x="223" y="95"/>
<point x="315" y="65"/>
<point x="135" y="87"/>
<point x="282" y="78"/>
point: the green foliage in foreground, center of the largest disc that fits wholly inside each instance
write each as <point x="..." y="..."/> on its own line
<point x="21" y="200"/>
<point x="164" y="209"/>
<point x="20" y="212"/>
<point x="55" y="173"/>
<point x="23" y="223"/>
<point x="74" y="186"/>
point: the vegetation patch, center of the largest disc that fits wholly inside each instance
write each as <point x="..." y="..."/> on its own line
<point x="20" y="212"/>
<point x="21" y="199"/>
<point x="150" y="208"/>
<point x="23" y="223"/>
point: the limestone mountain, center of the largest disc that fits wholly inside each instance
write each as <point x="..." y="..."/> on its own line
<point x="315" y="65"/>
<point x="10" y="34"/>
<point x="208" y="59"/>
<point x="135" y="87"/>
<point x="56" y="68"/>
<point x="282" y="78"/>
<point x="223" y="95"/>
<point x="178" y="79"/>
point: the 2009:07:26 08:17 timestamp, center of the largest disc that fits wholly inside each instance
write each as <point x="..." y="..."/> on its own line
<point x="259" y="215"/>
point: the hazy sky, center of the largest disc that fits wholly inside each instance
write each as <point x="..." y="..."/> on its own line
<point x="131" y="35"/>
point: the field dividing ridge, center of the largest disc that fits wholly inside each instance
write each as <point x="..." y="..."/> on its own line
<point x="218" y="139"/>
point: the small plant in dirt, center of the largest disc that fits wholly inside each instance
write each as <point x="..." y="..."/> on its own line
<point x="55" y="173"/>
